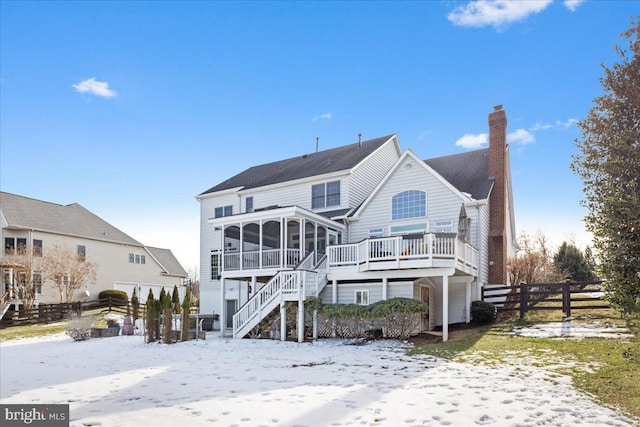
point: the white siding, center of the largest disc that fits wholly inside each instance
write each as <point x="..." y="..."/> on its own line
<point x="400" y="290"/>
<point x="297" y="193"/>
<point x="368" y="174"/>
<point x="112" y="261"/>
<point x="442" y="202"/>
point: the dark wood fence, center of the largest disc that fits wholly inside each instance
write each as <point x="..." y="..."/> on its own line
<point x="566" y="296"/>
<point x="48" y="313"/>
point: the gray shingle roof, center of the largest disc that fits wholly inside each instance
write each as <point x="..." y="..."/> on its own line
<point x="168" y="261"/>
<point x="73" y="219"/>
<point x="467" y="171"/>
<point x="322" y="162"/>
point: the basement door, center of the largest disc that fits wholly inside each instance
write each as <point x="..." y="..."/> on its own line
<point x="231" y="308"/>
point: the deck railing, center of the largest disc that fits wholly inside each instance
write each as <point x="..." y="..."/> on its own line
<point x="253" y="260"/>
<point x="399" y="248"/>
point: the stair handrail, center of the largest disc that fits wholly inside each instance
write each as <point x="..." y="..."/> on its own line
<point x="307" y="262"/>
<point x="266" y="294"/>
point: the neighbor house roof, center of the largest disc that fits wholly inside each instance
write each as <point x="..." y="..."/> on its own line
<point x="467" y="171"/>
<point x="168" y="261"/>
<point x="320" y="163"/>
<point x="73" y="220"/>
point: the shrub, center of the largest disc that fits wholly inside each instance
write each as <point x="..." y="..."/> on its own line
<point x="114" y="294"/>
<point x="397" y="317"/>
<point x="483" y="312"/>
<point x="79" y="328"/>
<point x="135" y="304"/>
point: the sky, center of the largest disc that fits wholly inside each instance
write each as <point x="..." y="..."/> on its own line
<point x="132" y="109"/>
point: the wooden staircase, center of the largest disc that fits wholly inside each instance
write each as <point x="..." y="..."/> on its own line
<point x="305" y="281"/>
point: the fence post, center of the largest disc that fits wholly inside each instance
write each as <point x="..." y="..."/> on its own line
<point x="566" y="297"/>
<point x="524" y="300"/>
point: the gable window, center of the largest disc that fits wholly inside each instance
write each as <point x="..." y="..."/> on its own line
<point x="248" y="204"/>
<point x="362" y="297"/>
<point x="325" y="195"/>
<point x="82" y="252"/>
<point x="137" y="259"/>
<point x="443" y="226"/>
<point x="215" y="265"/>
<point x="409" y="204"/>
<point x="223" y="211"/>
<point x="376" y="232"/>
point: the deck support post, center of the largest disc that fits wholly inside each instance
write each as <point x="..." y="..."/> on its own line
<point x="300" y="326"/>
<point x="315" y="323"/>
<point x="223" y="309"/>
<point x="283" y="322"/>
<point x="467" y="305"/>
<point x="334" y="291"/>
<point x="385" y="282"/>
<point x="445" y="308"/>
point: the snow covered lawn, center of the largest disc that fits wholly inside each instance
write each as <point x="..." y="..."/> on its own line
<point x="122" y="381"/>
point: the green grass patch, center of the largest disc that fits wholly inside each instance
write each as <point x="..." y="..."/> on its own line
<point x="607" y="369"/>
<point x="28" y="331"/>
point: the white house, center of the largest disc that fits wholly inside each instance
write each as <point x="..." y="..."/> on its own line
<point x="122" y="262"/>
<point x="358" y="224"/>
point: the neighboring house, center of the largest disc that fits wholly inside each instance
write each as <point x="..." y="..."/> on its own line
<point x="358" y="224"/>
<point x="122" y="262"/>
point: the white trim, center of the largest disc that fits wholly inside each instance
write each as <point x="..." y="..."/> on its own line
<point x="363" y="292"/>
<point x="200" y="197"/>
<point x="393" y="137"/>
<point x="395" y="167"/>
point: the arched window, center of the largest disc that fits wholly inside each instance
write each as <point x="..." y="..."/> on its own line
<point x="409" y="204"/>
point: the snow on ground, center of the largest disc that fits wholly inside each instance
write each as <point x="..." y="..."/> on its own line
<point x="567" y="329"/>
<point x="122" y="381"/>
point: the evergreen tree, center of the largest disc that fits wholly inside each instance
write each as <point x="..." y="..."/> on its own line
<point x="175" y="299"/>
<point x="135" y="304"/>
<point x="167" y="320"/>
<point x="150" y="308"/>
<point x="609" y="166"/>
<point x="570" y="261"/>
<point x="186" y="303"/>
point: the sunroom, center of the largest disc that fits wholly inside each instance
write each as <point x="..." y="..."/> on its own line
<point x="260" y="243"/>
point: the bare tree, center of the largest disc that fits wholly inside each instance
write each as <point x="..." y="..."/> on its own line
<point x="28" y="274"/>
<point x="68" y="270"/>
<point x="534" y="261"/>
<point x="194" y="283"/>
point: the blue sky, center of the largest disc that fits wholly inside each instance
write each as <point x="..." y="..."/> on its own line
<point x="133" y="108"/>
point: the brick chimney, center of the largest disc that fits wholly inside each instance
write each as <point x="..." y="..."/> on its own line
<point x="497" y="200"/>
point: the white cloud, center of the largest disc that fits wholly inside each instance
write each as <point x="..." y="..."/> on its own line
<point x="520" y="136"/>
<point x="540" y="126"/>
<point x="567" y="124"/>
<point x="325" y="116"/>
<point x="496" y="13"/>
<point x="423" y="135"/>
<point x="95" y="87"/>
<point x="469" y="140"/>
<point x="572" y="5"/>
